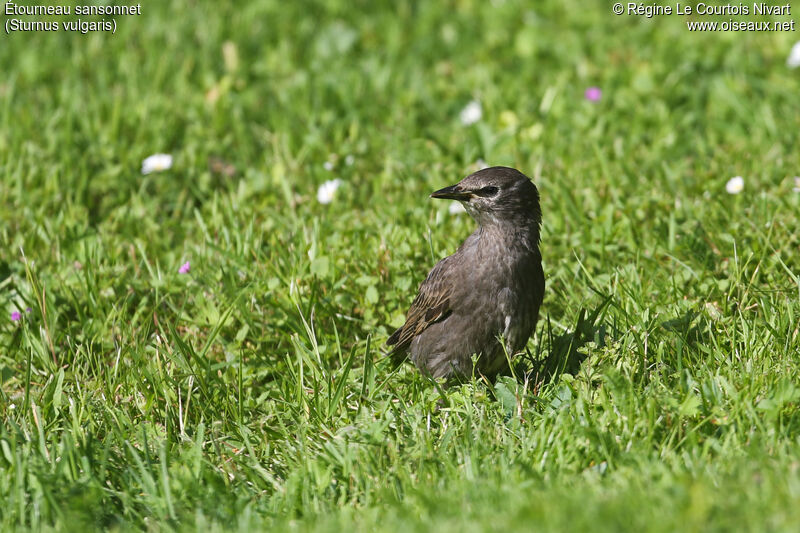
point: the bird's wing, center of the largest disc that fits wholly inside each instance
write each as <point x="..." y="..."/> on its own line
<point x="431" y="305"/>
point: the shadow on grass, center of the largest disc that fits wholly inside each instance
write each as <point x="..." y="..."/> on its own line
<point x="564" y="355"/>
<point x="691" y="328"/>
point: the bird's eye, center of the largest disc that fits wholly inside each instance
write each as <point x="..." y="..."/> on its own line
<point x="485" y="192"/>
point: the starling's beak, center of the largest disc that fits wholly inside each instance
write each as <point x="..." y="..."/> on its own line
<point x="452" y="193"/>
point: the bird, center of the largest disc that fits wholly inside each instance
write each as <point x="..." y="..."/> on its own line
<point x="484" y="299"/>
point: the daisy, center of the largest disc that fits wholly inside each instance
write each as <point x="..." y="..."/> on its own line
<point x="456" y="208"/>
<point x="471" y="113"/>
<point x="735" y="185"/>
<point x="156" y="163"/>
<point x="327" y="190"/>
<point x="793" y="61"/>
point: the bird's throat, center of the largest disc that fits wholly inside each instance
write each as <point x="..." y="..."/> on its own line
<point x="522" y="233"/>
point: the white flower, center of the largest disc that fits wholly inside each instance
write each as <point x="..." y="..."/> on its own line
<point x="481" y="164"/>
<point x="156" y="163"/>
<point x="735" y="185"/>
<point x="793" y="61"/>
<point x="796" y="187"/>
<point x="471" y="113"/>
<point x="456" y="208"/>
<point x="328" y="165"/>
<point x="349" y="160"/>
<point x="327" y="190"/>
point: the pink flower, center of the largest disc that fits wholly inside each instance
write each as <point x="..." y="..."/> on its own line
<point x="593" y="94"/>
<point x="15" y="316"/>
<point x="184" y="269"/>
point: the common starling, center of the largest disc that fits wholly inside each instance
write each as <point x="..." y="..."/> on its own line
<point x="491" y="288"/>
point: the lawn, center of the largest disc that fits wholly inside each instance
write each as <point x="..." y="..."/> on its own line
<point x="201" y="347"/>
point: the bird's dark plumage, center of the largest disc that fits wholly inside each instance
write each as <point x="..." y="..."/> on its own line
<point x="490" y="289"/>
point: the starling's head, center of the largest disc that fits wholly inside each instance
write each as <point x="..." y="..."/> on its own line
<point x="496" y="195"/>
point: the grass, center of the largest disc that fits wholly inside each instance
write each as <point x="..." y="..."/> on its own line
<point x="252" y="392"/>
